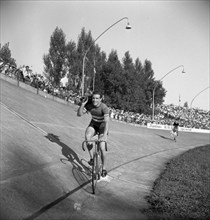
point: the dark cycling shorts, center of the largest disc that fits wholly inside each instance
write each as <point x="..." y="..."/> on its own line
<point x="97" y="126"/>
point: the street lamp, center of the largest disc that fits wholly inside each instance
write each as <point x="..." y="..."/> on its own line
<point x="153" y="93"/>
<point x="83" y="63"/>
<point x="198" y="95"/>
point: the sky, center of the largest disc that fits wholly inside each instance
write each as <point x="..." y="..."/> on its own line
<point x="170" y="34"/>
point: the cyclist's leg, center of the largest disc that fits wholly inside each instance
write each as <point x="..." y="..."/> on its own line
<point x="89" y="133"/>
<point x="176" y="134"/>
<point x="103" y="154"/>
<point x="102" y="146"/>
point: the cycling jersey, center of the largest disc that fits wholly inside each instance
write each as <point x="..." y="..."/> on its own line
<point x="98" y="113"/>
<point x="176" y="125"/>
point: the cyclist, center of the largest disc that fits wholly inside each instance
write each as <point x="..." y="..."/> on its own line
<point x="98" y="124"/>
<point x="175" y="128"/>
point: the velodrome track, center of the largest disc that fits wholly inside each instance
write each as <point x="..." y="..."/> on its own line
<point x="43" y="173"/>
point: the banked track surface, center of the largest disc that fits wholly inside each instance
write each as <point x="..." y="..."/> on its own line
<point x="43" y="173"/>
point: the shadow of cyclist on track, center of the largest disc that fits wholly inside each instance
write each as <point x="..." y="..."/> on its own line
<point x="164" y="137"/>
<point x="80" y="172"/>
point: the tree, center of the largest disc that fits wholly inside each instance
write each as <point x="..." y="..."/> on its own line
<point x="113" y="80"/>
<point x="85" y="44"/>
<point x="150" y="84"/>
<point x="141" y="98"/>
<point x="160" y="93"/>
<point x="129" y="96"/>
<point x="72" y="66"/>
<point x="99" y="62"/>
<point x="55" y="60"/>
<point x="5" y="55"/>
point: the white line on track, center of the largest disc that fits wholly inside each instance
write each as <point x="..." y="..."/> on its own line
<point x="24" y="119"/>
<point x="54" y="125"/>
<point x="144" y="186"/>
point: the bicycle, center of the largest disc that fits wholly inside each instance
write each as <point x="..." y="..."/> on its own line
<point x="174" y="134"/>
<point x="97" y="162"/>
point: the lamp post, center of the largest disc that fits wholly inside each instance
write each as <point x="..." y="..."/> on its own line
<point x="198" y="95"/>
<point x="83" y="63"/>
<point x="153" y="93"/>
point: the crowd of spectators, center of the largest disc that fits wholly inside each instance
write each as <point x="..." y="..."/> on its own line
<point x="23" y="74"/>
<point x="188" y="117"/>
<point x="26" y="75"/>
<point x="164" y="114"/>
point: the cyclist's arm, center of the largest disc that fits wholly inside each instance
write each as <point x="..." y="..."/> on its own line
<point x="81" y="110"/>
<point x="106" y="128"/>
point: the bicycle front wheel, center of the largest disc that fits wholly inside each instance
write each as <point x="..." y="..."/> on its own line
<point x="96" y="170"/>
<point x="94" y="173"/>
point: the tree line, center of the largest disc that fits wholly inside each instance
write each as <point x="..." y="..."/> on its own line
<point x="126" y="84"/>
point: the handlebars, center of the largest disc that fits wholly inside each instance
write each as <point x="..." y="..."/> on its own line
<point x="94" y="141"/>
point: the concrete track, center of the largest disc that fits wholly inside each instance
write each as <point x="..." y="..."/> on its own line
<point x="44" y="172"/>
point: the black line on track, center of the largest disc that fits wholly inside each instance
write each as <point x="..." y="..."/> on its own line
<point x="50" y="205"/>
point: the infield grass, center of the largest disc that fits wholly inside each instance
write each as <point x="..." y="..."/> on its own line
<point x="183" y="189"/>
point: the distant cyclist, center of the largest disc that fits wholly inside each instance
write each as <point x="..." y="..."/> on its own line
<point x="175" y="128"/>
<point x="99" y="123"/>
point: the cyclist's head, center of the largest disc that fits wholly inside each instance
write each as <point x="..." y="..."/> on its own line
<point x="97" y="93"/>
<point x="96" y="98"/>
